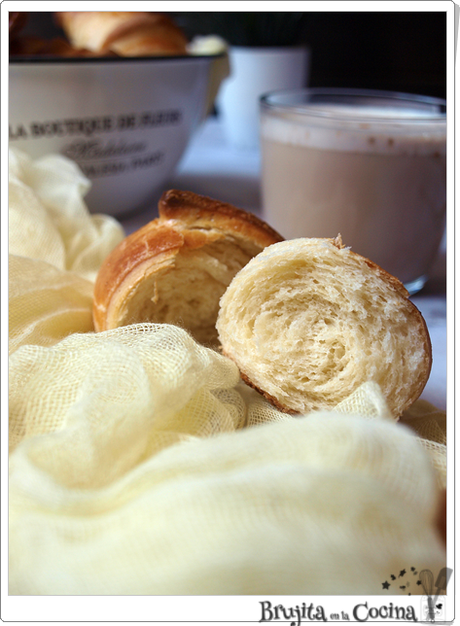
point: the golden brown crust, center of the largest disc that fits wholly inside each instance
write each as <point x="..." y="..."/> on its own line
<point x="105" y="33"/>
<point x="196" y="211"/>
<point x="146" y="33"/>
<point x="186" y="221"/>
<point x="126" y="33"/>
<point x="31" y="45"/>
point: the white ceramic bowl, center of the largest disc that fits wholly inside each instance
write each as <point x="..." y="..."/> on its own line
<point x="125" y="121"/>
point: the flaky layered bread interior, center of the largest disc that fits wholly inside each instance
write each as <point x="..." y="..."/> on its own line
<point x="126" y="33"/>
<point x="307" y="321"/>
<point x="176" y="268"/>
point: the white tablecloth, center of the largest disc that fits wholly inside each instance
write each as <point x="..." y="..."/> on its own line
<point x="214" y="168"/>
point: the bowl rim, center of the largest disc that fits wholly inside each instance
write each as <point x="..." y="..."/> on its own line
<point x="57" y="60"/>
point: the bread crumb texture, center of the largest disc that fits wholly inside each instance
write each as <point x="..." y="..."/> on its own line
<point x="175" y="269"/>
<point x="308" y="321"/>
<point x="186" y="291"/>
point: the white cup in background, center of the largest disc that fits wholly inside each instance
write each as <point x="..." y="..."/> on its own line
<point x="253" y="72"/>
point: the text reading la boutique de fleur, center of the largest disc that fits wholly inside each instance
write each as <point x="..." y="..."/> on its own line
<point x="89" y="126"/>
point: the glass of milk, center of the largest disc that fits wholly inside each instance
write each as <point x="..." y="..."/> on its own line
<point x="369" y="165"/>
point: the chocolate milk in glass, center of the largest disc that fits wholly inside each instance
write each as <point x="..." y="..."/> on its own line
<point x="370" y="167"/>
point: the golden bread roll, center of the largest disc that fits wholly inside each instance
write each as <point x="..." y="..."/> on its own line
<point x="175" y="269"/>
<point x="123" y="32"/>
<point x="31" y="45"/>
<point x="308" y="321"/>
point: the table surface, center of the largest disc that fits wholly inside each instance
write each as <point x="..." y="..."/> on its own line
<point x="212" y="167"/>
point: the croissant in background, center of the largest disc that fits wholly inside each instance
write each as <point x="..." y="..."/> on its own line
<point x="21" y="44"/>
<point x="31" y="45"/>
<point x="122" y="32"/>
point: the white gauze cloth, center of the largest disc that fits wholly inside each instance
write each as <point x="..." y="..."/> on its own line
<point x="141" y="464"/>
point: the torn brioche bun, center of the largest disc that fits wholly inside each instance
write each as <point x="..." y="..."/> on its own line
<point x="308" y="321"/>
<point x="176" y="268"/>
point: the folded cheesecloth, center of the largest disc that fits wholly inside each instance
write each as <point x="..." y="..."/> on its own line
<point x="140" y="463"/>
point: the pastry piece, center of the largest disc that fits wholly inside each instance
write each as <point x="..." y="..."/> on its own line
<point x="124" y="33"/>
<point x="308" y="321"/>
<point x="31" y="46"/>
<point x="175" y="269"/>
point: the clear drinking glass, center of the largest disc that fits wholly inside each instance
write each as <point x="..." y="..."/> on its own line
<point x="369" y="165"/>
